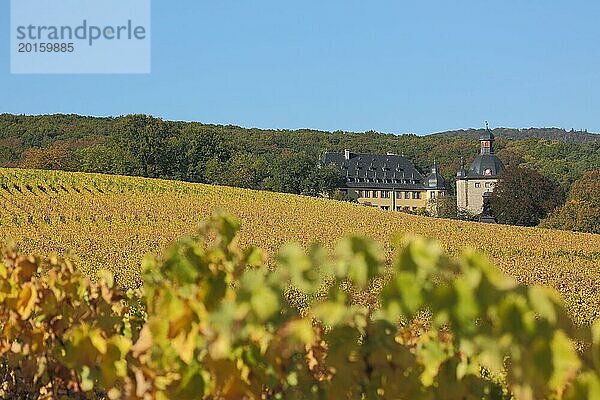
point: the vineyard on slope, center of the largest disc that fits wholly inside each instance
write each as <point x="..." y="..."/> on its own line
<point x="110" y="222"/>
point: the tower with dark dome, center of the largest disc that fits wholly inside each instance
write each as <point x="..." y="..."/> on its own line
<point x="435" y="180"/>
<point x="480" y="178"/>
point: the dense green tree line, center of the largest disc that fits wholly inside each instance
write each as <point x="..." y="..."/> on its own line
<point x="562" y="135"/>
<point x="142" y="145"/>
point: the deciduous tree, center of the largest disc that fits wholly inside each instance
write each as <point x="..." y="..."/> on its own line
<point x="524" y="196"/>
<point x="55" y="157"/>
<point x="581" y="212"/>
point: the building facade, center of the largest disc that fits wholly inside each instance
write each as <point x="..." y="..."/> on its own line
<point x="390" y="182"/>
<point x="476" y="183"/>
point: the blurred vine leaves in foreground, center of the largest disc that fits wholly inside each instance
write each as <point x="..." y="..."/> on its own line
<point x="212" y="321"/>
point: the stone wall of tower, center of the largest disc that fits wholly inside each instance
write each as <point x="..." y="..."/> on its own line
<point x="469" y="194"/>
<point x="461" y="195"/>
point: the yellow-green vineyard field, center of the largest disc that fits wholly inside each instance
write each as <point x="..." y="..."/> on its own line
<point x="111" y="222"/>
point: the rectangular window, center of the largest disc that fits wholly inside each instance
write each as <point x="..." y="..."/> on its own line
<point x="477" y="184"/>
<point x="398" y="195"/>
<point x="487" y="185"/>
<point x="432" y="195"/>
<point x="385" y="208"/>
<point x="374" y="194"/>
<point x="406" y="195"/>
<point x="367" y="193"/>
<point x="416" y="195"/>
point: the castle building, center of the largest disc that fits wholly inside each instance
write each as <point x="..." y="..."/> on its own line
<point x="390" y="182"/>
<point x="478" y="182"/>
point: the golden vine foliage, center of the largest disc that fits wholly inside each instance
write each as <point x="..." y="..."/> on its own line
<point x="111" y="222"/>
<point x="56" y="328"/>
<point x="217" y="325"/>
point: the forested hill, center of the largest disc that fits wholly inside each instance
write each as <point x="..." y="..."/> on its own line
<point x="277" y="160"/>
<point x="558" y="134"/>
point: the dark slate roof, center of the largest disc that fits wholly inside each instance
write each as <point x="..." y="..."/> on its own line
<point x="485" y="162"/>
<point x="362" y="170"/>
<point x="487" y="135"/>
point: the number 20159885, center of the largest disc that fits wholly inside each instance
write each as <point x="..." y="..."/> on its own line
<point x="46" y="48"/>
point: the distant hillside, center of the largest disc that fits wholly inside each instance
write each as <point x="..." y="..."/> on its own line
<point x="275" y="160"/>
<point x="558" y="134"/>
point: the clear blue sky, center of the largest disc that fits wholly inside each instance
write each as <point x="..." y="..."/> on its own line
<point x="391" y="66"/>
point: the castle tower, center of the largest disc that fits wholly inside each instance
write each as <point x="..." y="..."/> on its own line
<point x="487" y="141"/>
<point x="436" y="189"/>
<point x="481" y="177"/>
